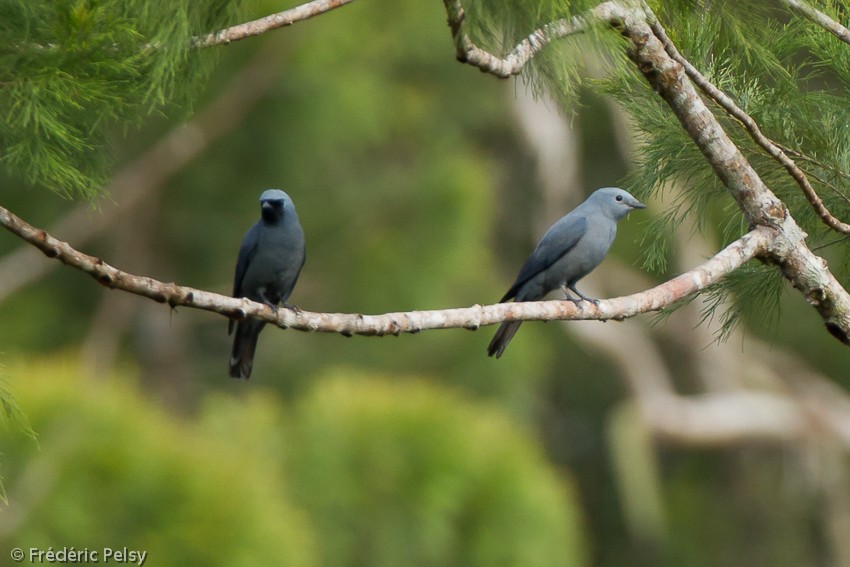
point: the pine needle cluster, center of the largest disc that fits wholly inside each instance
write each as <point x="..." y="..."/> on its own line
<point x="70" y="69"/>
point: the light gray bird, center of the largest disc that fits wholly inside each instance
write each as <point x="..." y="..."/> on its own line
<point x="270" y="260"/>
<point x="570" y="249"/>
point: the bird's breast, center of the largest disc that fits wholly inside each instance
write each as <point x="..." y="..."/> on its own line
<point x="586" y="255"/>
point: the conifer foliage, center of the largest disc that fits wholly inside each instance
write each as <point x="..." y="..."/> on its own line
<point x="71" y="69"/>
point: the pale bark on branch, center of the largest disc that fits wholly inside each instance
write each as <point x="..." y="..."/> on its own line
<point x="821" y="19"/>
<point x="520" y="55"/>
<point x="268" y="23"/>
<point x="657" y="298"/>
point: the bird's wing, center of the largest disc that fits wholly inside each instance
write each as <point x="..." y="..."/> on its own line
<point x="558" y="240"/>
<point x="287" y="292"/>
<point x="246" y="253"/>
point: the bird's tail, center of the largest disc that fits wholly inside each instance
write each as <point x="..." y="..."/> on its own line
<point x="244" y="346"/>
<point x="503" y="336"/>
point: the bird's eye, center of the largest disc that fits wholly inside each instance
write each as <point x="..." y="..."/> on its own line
<point x="619" y="197"/>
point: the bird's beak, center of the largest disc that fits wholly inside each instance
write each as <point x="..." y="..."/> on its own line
<point x="266" y="205"/>
<point x="638" y="205"/>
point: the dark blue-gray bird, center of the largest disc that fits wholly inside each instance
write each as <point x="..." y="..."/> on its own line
<point x="570" y="249"/>
<point x="270" y="260"/>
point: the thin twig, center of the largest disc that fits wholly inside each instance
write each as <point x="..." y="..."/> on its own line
<point x="750" y="126"/>
<point x="274" y="21"/>
<point x="659" y="297"/>
<point x="520" y="55"/>
<point x="235" y="33"/>
<point x="825" y="183"/>
<point x="807" y="158"/>
<point x="820" y="19"/>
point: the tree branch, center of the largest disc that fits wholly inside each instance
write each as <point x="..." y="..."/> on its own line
<point x="725" y="418"/>
<point x="751" y="127"/>
<point x="820" y="19"/>
<point x="806" y="271"/>
<point x="257" y="27"/>
<point x="659" y="297"/>
<point x="512" y="64"/>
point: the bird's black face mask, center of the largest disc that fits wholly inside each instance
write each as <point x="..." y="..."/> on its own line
<point x="272" y="211"/>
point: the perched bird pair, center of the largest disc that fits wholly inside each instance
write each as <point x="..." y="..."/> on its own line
<point x="273" y="253"/>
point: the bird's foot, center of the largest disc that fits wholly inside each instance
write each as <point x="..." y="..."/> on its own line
<point x="292" y="308"/>
<point x="584" y="297"/>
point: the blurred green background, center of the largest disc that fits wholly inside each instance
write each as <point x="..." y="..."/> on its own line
<point x="421" y="184"/>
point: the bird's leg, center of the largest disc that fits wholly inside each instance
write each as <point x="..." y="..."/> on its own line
<point x="567" y="295"/>
<point x="583" y="296"/>
<point x="265" y="299"/>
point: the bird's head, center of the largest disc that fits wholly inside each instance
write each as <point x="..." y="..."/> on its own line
<point x="615" y="202"/>
<point x="274" y="204"/>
